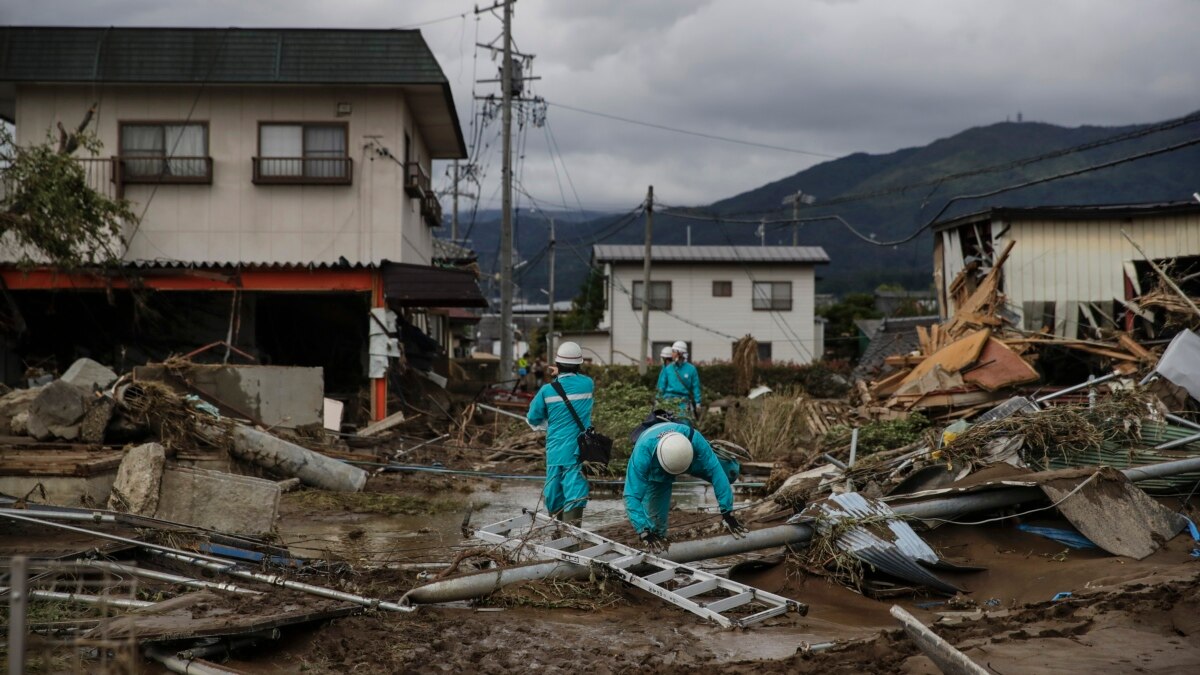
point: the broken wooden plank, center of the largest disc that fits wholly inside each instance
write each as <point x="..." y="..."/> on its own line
<point x="393" y="420"/>
<point x="1000" y="368"/>
<point x="1136" y="349"/>
<point x="953" y="357"/>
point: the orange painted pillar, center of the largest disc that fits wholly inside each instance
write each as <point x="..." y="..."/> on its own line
<point x="379" y="392"/>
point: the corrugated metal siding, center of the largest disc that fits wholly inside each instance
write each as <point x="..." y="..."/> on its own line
<point x="1081" y="261"/>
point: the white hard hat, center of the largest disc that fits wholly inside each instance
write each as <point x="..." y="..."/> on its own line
<point x="665" y="353"/>
<point x="569" y="353"/>
<point x="674" y="452"/>
<point x="680" y="346"/>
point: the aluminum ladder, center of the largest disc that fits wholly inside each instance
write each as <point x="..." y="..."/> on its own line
<point x="702" y="593"/>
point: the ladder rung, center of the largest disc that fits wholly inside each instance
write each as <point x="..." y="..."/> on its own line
<point x="730" y="602"/>
<point x="697" y="588"/>
<point x="765" y="614"/>
<point x="594" y="551"/>
<point x="560" y="544"/>
<point x="659" y="577"/>
<point x="627" y="561"/>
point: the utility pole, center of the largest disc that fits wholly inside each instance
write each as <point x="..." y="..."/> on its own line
<point x="796" y="200"/>
<point x="454" y="213"/>
<point x="506" y="224"/>
<point x="646" y="284"/>
<point x="550" y="317"/>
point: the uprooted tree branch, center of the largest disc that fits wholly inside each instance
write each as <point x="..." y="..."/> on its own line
<point x="48" y="212"/>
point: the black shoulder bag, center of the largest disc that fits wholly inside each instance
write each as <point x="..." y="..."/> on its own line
<point x="594" y="447"/>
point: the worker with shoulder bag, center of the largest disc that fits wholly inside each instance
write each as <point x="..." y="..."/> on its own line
<point x="564" y="409"/>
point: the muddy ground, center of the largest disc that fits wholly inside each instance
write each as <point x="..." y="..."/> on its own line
<point x="1122" y="615"/>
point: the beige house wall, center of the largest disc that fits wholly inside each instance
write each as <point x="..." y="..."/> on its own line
<point x="234" y="220"/>
<point x="721" y="320"/>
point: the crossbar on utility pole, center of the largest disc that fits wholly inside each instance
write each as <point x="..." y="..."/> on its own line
<point x="645" y="351"/>
<point x="506" y="224"/>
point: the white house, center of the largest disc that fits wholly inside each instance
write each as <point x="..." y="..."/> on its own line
<point x="709" y="296"/>
<point x="281" y="179"/>
<point x="1070" y="269"/>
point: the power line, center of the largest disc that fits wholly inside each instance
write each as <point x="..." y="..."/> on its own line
<point x="949" y="203"/>
<point x="688" y="132"/>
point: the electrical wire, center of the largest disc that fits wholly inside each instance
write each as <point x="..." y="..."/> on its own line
<point x="700" y="134"/>
<point x="953" y="200"/>
<point x="1017" y="515"/>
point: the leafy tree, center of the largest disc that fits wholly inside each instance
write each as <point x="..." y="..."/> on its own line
<point x="841" y="332"/>
<point x="587" y="309"/>
<point x="48" y="211"/>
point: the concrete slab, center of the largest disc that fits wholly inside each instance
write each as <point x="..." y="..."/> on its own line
<point x="139" y="477"/>
<point x="86" y="374"/>
<point x="225" y="502"/>
<point x="57" y="410"/>
<point x="277" y="396"/>
<point x="89" y="491"/>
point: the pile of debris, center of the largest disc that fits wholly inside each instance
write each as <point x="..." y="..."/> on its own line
<point x="979" y="356"/>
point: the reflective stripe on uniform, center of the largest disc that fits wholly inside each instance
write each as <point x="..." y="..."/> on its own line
<point x="572" y="397"/>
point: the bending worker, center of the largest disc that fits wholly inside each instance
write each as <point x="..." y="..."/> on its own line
<point x="566" y="489"/>
<point x="679" y="383"/>
<point x="661" y="453"/>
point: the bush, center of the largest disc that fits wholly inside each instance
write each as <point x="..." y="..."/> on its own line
<point x="819" y="380"/>
<point x="879" y="436"/>
<point x="620" y="406"/>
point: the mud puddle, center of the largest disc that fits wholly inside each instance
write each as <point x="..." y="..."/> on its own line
<point x="347" y="533"/>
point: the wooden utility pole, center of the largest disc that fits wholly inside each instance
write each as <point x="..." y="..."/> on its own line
<point x="454" y="213"/>
<point x="506" y="224"/>
<point x="645" y="356"/>
<point x="550" y="318"/>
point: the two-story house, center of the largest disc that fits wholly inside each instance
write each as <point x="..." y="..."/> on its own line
<point x="282" y="184"/>
<point x="709" y="296"/>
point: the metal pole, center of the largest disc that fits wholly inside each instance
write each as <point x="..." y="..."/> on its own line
<point x="949" y="508"/>
<point x="164" y="576"/>
<point x="550" y="318"/>
<point x="645" y="350"/>
<point x="1083" y="385"/>
<point x="18" y="600"/>
<point x="506" y="224"/>
<point x="126" y="603"/>
<point x="220" y="565"/>
<point x="185" y="666"/>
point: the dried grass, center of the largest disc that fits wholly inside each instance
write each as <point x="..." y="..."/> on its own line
<point x="770" y="426"/>
<point x="591" y="595"/>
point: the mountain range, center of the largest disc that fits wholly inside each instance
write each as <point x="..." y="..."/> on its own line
<point x="888" y="197"/>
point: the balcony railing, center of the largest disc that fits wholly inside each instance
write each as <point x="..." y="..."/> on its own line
<point x="416" y="182"/>
<point x="98" y="175"/>
<point x="163" y="169"/>
<point x="303" y="170"/>
<point x="431" y="208"/>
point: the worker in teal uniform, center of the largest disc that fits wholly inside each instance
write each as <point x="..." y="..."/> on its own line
<point x="662" y="453"/>
<point x="679" y="383"/>
<point x="566" y="489"/>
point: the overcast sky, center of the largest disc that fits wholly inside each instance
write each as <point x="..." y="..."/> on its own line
<point x="829" y="77"/>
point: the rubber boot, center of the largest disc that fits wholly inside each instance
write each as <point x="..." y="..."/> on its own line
<point x="573" y="516"/>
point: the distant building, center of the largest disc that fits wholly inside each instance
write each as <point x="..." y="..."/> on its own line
<point x="710" y="296"/>
<point x="1071" y="271"/>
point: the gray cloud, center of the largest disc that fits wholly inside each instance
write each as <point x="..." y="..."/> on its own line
<point x="830" y="76"/>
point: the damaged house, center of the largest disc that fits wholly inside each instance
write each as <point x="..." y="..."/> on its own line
<point x="282" y="179"/>
<point x="1073" y="272"/>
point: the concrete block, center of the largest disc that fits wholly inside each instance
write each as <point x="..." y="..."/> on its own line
<point x="224" y="502"/>
<point x="57" y="411"/>
<point x="86" y="373"/>
<point x="14" y="403"/>
<point x="19" y="425"/>
<point x="277" y="396"/>
<point x="96" y="419"/>
<point x="136" y="489"/>
<point x="85" y="491"/>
